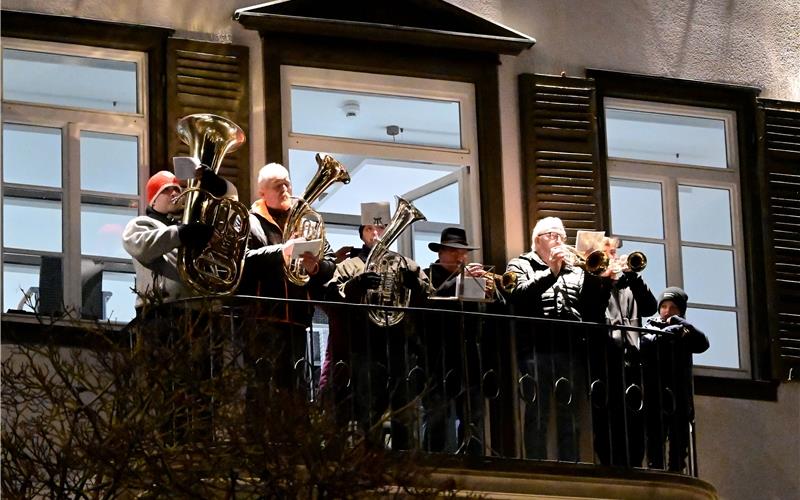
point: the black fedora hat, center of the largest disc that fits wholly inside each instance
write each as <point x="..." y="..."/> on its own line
<point x="452" y="237"/>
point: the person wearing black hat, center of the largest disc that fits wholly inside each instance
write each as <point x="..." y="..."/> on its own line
<point x="375" y="355"/>
<point x="667" y="358"/>
<point x="453" y="359"/>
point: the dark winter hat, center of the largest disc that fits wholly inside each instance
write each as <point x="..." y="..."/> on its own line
<point x="452" y="237"/>
<point x="676" y="295"/>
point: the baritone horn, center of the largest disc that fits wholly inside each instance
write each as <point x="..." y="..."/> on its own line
<point x="303" y="221"/>
<point x="217" y="268"/>
<point x="389" y="265"/>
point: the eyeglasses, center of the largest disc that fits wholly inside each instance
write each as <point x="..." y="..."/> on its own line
<point x="552" y="235"/>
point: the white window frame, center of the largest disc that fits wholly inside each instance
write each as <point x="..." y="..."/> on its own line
<point x="670" y="176"/>
<point x="72" y="121"/>
<point x="401" y="86"/>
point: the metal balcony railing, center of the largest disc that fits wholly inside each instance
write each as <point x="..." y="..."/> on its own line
<point x="466" y="379"/>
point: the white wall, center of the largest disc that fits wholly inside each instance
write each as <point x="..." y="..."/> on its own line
<point x="750" y="449"/>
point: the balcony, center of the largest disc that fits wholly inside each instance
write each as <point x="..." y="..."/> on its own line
<point x="456" y="397"/>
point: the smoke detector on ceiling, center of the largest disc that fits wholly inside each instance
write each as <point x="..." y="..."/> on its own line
<point x="351" y="109"/>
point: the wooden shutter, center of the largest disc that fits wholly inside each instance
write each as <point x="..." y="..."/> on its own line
<point x="559" y="148"/>
<point x="204" y="77"/>
<point x="779" y="163"/>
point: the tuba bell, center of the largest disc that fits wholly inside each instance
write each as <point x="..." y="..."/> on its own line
<point x="388" y="265"/>
<point x="304" y="221"/>
<point x="217" y="268"/>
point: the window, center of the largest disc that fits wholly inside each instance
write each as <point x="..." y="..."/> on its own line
<point x="674" y="194"/>
<point x="74" y="143"/>
<point x="396" y="135"/>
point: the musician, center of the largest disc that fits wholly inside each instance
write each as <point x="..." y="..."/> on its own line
<point x="619" y="428"/>
<point x="548" y="286"/>
<point x="153" y="239"/>
<point x="378" y="357"/>
<point x="281" y="340"/>
<point x="669" y="402"/>
<point x="453" y="356"/>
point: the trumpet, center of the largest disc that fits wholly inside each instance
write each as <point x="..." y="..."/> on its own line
<point x="635" y="261"/>
<point x="507" y="280"/>
<point x="595" y="263"/>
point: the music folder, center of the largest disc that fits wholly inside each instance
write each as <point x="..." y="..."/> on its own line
<point x="302" y="247"/>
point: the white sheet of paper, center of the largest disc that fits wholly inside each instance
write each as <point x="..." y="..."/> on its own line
<point x="302" y="247"/>
<point x="474" y="288"/>
<point x="184" y="166"/>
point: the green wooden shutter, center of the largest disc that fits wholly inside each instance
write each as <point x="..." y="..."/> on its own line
<point x="779" y="163"/>
<point x="559" y="149"/>
<point x="204" y="77"/>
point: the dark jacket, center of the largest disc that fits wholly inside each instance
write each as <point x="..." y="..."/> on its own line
<point x="264" y="274"/>
<point x="630" y="302"/>
<point x="572" y="295"/>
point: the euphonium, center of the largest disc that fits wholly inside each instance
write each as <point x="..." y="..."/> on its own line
<point x="389" y="265"/>
<point x="217" y="268"/>
<point x="304" y="221"/>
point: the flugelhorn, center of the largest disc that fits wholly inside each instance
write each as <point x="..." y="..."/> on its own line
<point x="217" y="268"/>
<point x="303" y="221"/>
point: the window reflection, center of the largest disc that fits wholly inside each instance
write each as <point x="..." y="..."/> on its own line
<point x="705" y="214"/>
<point x="636" y="208"/>
<point x="109" y="163"/>
<point x="32" y="224"/>
<point x="721" y="329"/>
<point x="19" y="280"/>
<point x="708" y="276"/>
<point x="83" y="82"/>
<point x="101" y="229"/>
<point x="118" y="296"/>
<point x="32" y="155"/>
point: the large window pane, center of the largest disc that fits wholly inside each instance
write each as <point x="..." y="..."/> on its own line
<point x="441" y="205"/>
<point x="375" y="117"/>
<point x="83" y="82"/>
<point x="668" y="138"/>
<point x="18" y="280"/>
<point x="722" y="332"/>
<point x="101" y="229"/>
<point x="32" y="224"/>
<point x="705" y="214"/>
<point x="372" y="179"/>
<point x="118" y="296"/>
<point x="31" y="155"/>
<point x="636" y="208"/>
<point x="109" y="163"/>
<point x="708" y="276"/>
<point x="341" y="236"/>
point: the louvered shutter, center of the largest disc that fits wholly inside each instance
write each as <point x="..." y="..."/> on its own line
<point x="204" y="77"/>
<point x="560" y="155"/>
<point x="779" y="155"/>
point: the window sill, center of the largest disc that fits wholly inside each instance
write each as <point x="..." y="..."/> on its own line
<point x="21" y="328"/>
<point x="761" y="390"/>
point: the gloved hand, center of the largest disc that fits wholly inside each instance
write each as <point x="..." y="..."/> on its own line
<point x="358" y="285"/>
<point x="410" y="279"/>
<point x="195" y="234"/>
<point x="677" y="320"/>
<point x="212" y="182"/>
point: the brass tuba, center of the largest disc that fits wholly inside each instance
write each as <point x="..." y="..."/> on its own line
<point x="304" y="221"/>
<point x="388" y="265"/>
<point x="217" y="268"/>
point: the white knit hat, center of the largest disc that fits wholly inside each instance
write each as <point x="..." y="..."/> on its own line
<point x="548" y="224"/>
